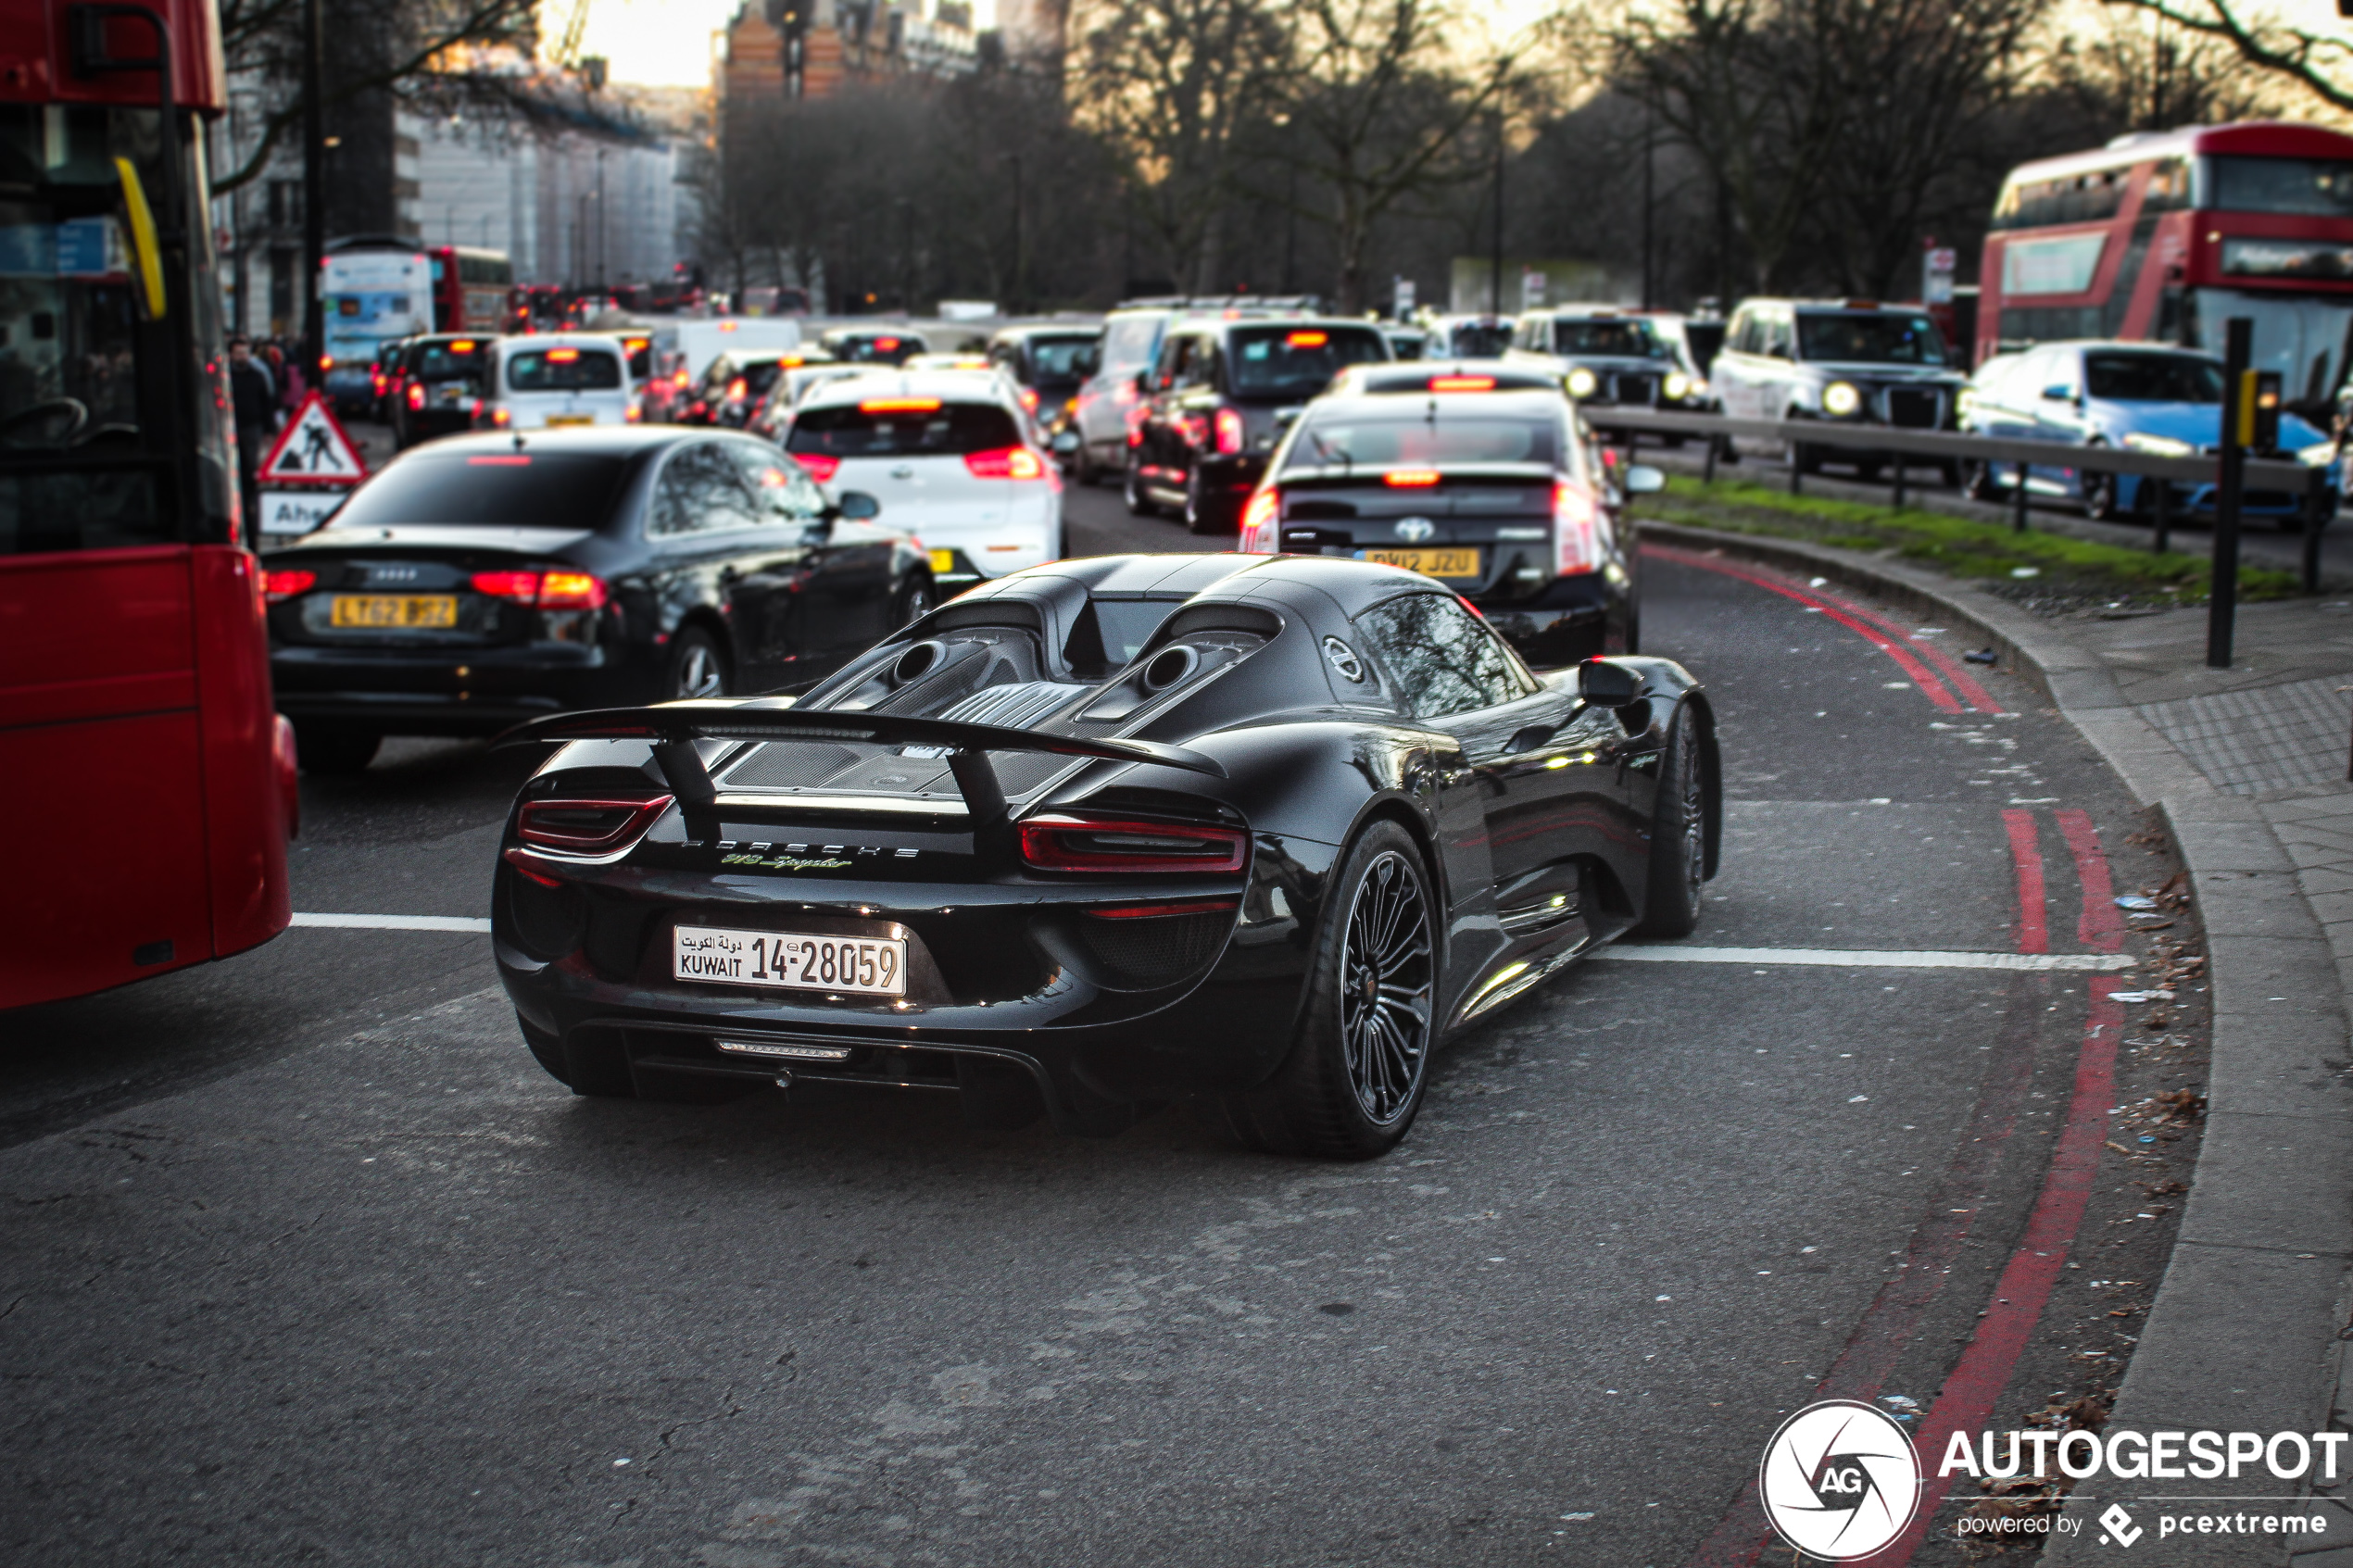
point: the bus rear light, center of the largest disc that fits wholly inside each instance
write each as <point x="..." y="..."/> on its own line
<point x="1005" y="462"/>
<point x="1060" y="842"/>
<point x="1577" y="529"/>
<point x="587" y="827"/>
<point x="1261" y="529"/>
<point x="276" y="585"/>
<point x="1229" y="430"/>
<point x="821" y="467"/>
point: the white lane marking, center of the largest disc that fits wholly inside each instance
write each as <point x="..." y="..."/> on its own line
<point x="1840" y="957"/>
<point x="396" y="922"/>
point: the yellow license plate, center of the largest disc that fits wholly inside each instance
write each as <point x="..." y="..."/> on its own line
<point x="420" y="610"/>
<point x="943" y="560"/>
<point x="1431" y="563"/>
<point x="571" y="419"/>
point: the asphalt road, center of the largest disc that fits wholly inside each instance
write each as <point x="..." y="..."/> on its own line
<point x="305" y="1259"/>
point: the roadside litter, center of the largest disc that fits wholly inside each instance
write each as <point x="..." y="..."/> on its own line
<point x="1980" y="655"/>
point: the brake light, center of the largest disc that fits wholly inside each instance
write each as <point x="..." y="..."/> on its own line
<point x="1462" y="383"/>
<point x="633" y="414"/>
<point x="1262" y="530"/>
<point x="1576" y="529"/>
<point x="463" y="346"/>
<point x="1410" y="479"/>
<point x="1005" y="462"/>
<point x="1064" y="843"/>
<point x="276" y="585"/>
<point x="680" y="380"/>
<point x="562" y="356"/>
<point x="1307" y="339"/>
<point x="416" y="395"/>
<point x="1229" y="430"/>
<point x="899" y="406"/>
<point x="889" y="345"/>
<point x="587" y="827"/>
<point x="499" y="415"/>
<point x="549" y="590"/>
<point x="500" y="460"/>
<point x="736" y="390"/>
<point x="1030" y="398"/>
<point x="821" y="467"/>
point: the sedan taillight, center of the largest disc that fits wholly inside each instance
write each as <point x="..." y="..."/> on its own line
<point x="1062" y="843"/>
<point x="1577" y="529"/>
<point x="587" y="827"/>
<point x="1229" y="430"/>
<point x="548" y="590"/>
<point x="276" y="585"/>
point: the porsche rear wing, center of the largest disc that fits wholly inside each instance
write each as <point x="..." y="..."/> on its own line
<point x="674" y="727"/>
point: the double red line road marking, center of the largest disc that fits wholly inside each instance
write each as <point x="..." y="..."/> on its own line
<point x="1966" y="1401"/>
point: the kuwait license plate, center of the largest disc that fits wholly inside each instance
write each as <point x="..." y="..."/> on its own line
<point x="571" y="419"/>
<point x="425" y="611"/>
<point x="869" y="966"/>
<point x="1431" y="563"/>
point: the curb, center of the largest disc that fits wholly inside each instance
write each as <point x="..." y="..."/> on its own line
<point x="2243" y="1335"/>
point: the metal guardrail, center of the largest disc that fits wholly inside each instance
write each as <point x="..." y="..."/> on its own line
<point x="1952" y="446"/>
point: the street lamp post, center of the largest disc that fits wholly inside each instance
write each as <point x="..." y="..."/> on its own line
<point x="1495" y="255"/>
<point x="314" y="188"/>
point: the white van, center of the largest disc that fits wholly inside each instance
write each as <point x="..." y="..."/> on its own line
<point x="683" y="352"/>
<point x="553" y="379"/>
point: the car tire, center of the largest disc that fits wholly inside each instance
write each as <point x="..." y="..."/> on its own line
<point x="696" y="667"/>
<point x="912" y="604"/>
<point x="2099" y="498"/>
<point x="1678" y="833"/>
<point x="334" y="749"/>
<point x="1132" y="489"/>
<point x="1353" y="1081"/>
<point x="1083" y="469"/>
<point x="1201" y="515"/>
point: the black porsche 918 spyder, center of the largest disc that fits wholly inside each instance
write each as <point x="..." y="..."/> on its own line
<point x="1100" y="835"/>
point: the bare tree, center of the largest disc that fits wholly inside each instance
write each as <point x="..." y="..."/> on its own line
<point x="2320" y="63"/>
<point x="2140" y="73"/>
<point x="1169" y="86"/>
<point x="1378" y="108"/>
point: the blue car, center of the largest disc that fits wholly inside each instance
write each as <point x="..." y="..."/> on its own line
<point x="2140" y="396"/>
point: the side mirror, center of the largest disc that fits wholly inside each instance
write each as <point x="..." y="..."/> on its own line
<point x="2058" y="395"/>
<point x="1601" y="684"/>
<point x="1067" y="443"/>
<point x="857" y="506"/>
<point x="1643" y="480"/>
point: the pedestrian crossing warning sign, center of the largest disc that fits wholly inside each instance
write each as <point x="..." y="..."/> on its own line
<point x="312" y="449"/>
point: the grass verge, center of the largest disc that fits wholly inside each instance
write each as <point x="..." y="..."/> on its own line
<point x="2030" y="565"/>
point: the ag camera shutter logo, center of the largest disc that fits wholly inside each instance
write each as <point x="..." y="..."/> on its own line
<point x="1839" y="1480"/>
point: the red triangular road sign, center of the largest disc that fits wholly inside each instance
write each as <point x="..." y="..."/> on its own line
<point x="312" y="449"/>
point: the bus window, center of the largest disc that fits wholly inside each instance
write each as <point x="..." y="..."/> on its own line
<point x="2309" y="187"/>
<point x="2168" y="187"/>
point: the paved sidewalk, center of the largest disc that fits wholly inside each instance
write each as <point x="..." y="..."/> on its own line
<point x="2248" y="766"/>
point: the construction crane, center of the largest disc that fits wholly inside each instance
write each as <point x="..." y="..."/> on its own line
<point x="567" y="51"/>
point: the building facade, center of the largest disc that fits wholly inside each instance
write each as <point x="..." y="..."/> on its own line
<point x="815" y="48"/>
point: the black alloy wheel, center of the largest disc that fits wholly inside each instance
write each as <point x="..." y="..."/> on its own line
<point x="334" y="749"/>
<point x="696" y="667"/>
<point x="1353" y="1081"/>
<point x="1678" y="834"/>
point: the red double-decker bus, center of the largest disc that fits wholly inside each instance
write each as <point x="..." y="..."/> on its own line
<point x="472" y="290"/>
<point x="149" y="782"/>
<point x="2164" y="236"/>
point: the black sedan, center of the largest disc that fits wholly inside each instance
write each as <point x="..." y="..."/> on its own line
<point x="1104" y="834"/>
<point x="1499" y="495"/>
<point x="436" y="387"/>
<point x="485" y="580"/>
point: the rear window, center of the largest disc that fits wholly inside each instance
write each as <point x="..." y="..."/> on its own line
<point x="1478" y="340"/>
<point x="1412" y="439"/>
<point x="2153" y="378"/>
<point x="1297" y="362"/>
<point x="1058" y="359"/>
<point x="442" y="361"/>
<point x="1878" y="337"/>
<point x="903" y="427"/>
<point x="1131" y="342"/>
<point x="563" y="369"/>
<point x="490" y="490"/>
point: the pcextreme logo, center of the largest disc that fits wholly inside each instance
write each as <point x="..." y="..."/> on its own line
<point x="1839" y="1480"/>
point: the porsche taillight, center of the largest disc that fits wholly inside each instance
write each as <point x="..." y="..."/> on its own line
<point x="1576" y="529"/>
<point x="1063" y="842"/>
<point x="1261" y="522"/>
<point x="597" y="826"/>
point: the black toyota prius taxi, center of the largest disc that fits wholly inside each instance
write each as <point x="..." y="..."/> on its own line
<point x="483" y="581"/>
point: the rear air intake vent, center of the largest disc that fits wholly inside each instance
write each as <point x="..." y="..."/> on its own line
<point x="917" y="661"/>
<point x="1138" y="954"/>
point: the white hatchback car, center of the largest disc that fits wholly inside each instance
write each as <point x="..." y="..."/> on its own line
<point x="953" y="457"/>
<point x="554" y="378"/>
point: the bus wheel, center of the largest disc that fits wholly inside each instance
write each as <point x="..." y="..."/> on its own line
<point x="334" y="749"/>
